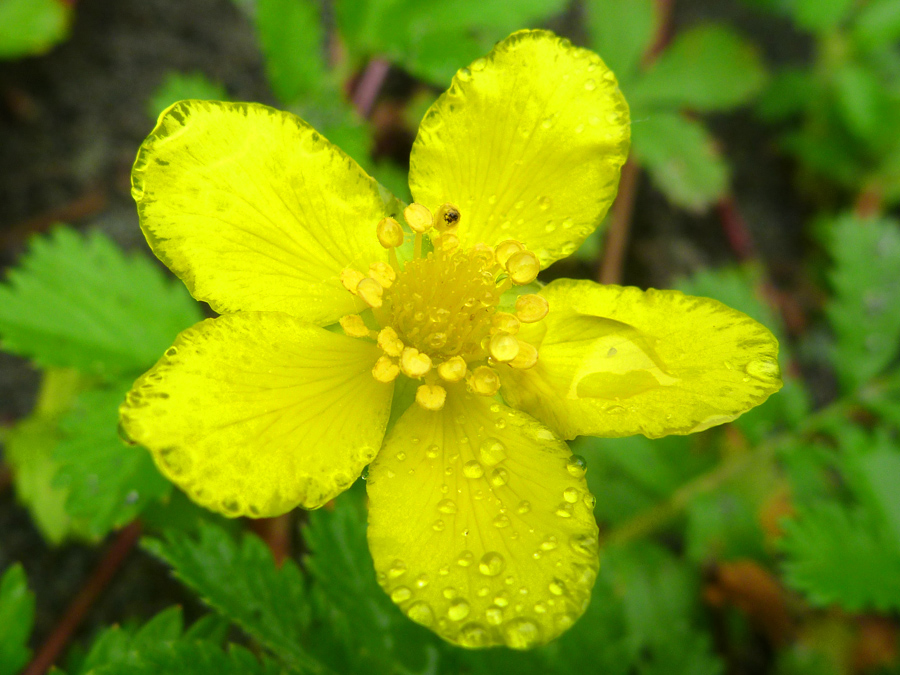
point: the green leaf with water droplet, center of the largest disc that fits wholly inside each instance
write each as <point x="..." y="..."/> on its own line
<point x="16" y="620"/>
<point x="76" y="301"/>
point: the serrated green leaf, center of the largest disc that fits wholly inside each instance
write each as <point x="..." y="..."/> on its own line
<point x="877" y="24"/>
<point x="180" y="86"/>
<point x="78" y="302"/>
<point x="705" y="68"/>
<point x="16" y="620"/>
<point x="865" y="278"/>
<point x="621" y="33"/>
<point x="372" y="634"/>
<point x="242" y="583"/>
<point x="839" y="554"/>
<point x="292" y="41"/>
<point x="109" y="483"/>
<point x="682" y="159"/>
<point x="29" y="27"/>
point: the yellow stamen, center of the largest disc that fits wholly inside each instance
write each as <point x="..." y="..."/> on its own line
<point x="354" y="326"/>
<point x="453" y="370"/>
<point x="526" y="358"/>
<point x="504" y="322"/>
<point x="414" y="363"/>
<point x="431" y="397"/>
<point x="445" y="217"/>
<point x="418" y="218"/>
<point x="370" y="291"/>
<point x="504" y="347"/>
<point x="350" y="278"/>
<point x="506" y="249"/>
<point x="383" y="273"/>
<point x="485" y="381"/>
<point x="531" y="308"/>
<point x="390" y="342"/>
<point x="390" y="233"/>
<point x="523" y="267"/>
<point x="385" y="370"/>
<point x="448" y="242"/>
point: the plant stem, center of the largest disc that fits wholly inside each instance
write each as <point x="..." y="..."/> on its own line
<point x="82" y="603"/>
<point x="369" y="85"/>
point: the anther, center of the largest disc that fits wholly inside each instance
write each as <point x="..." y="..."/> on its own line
<point x="448" y="242"/>
<point x="389" y="342"/>
<point x="383" y="273"/>
<point x="523" y="267"/>
<point x="431" y="396"/>
<point x="385" y="370"/>
<point x="370" y="291"/>
<point x="504" y="322"/>
<point x="350" y="278"/>
<point x="526" y="358"/>
<point x="414" y="363"/>
<point x="445" y="217"/>
<point x="507" y="249"/>
<point x="390" y="233"/>
<point x="531" y="308"/>
<point x="453" y="369"/>
<point x="504" y="348"/>
<point x="418" y="218"/>
<point x="485" y="381"/>
<point x="354" y="326"/>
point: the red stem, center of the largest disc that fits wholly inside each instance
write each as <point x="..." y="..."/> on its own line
<point x="369" y="85"/>
<point x="104" y="572"/>
<point x="619" y="225"/>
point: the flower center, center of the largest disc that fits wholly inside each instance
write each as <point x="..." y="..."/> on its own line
<point x="439" y="313"/>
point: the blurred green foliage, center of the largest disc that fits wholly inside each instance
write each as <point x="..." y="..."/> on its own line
<point x="29" y="27"/>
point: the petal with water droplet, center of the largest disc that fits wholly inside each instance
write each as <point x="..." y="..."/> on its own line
<point x="617" y="361"/>
<point x="490" y="539"/>
<point x="502" y="146"/>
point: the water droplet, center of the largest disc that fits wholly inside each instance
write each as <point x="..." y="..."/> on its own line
<point x="449" y="592"/>
<point x="444" y="571"/>
<point x="401" y="594"/>
<point x="421" y="612"/>
<point x="567" y="224"/>
<point x="494" y="616"/>
<point x="464" y="75"/>
<point x="763" y="369"/>
<point x="432" y="451"/>
<point x="545" y="203"/>
<point x="473" y="469"/>
<point x="564" y="510"/>
<point x="491" y="451"/>
<point x="523" y="507"/>
<point x="401" y="456"/>
<point x="491" y="564"/>
<point x="438" y="525"/>
<point x="590" y="85"/>
<point x="499" y="477"/>
<point x="473" y="635"/>
<point x="397" y="569"/>
<point x="492" y="200"/>
<point x="521" y="633"/>
<point x="584" y="544"/>
<point x="501" y="521"/>
<point x="590" y="501"/>
<point x="549" y="543"/>
<point x="422" y="580"/>
<point x="459" y="610"/>
<point x="557" y="587"/>
<point x="446" y="506"/>
<point x="612" y="352"/>
<point x="465" y="558"/>
<point x="563" y="621"/>
<point x="501" y="599"/>
<point x="570" y="494"/>
<point x="477" y="65"/>
<point x="540" y="608"/>
<point x="576" y="466"/>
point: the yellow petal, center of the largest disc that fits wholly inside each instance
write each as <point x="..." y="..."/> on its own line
<point x="254" y="210"/>
<point x="255" y="413"/>
<point x="617" y="361"/>
<point x="481" y="525"/>
<point x="527" y="143"/>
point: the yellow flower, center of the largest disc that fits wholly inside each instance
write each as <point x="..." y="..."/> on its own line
<point x="481" y="525"/>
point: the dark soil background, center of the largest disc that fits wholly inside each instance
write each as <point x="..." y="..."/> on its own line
<point x="71" y="122"/>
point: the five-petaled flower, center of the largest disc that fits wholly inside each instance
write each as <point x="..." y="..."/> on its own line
<point x="436" y="370"/>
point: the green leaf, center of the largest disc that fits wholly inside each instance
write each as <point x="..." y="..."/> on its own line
<point x="840" y="554"/>
<point x="77" y="301"/>
<point x="180" y="86"/>
<point x="292" y="40"/>
<point x="243" y="584"/>
<point x="723" y="526"/>
<point x="789" y="92"/>
<point x="861" y="101"/>
<point x="705" y="68"/>
<point x="16" y="620"/>
<point x="621" y="33"/>
<point x="865" y="278"/>
<point x="30" y="27"/>
<point x="682" y="159"/>
<point x="820" y="16"/>
<point x="371" y="632"/>
<point x="877" y="24"/>
<point x="109" y="482"/>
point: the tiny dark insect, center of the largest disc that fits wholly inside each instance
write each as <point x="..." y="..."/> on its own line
<point x="451" y="217"/>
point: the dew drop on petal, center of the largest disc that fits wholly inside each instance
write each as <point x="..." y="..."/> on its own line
<point x="446" y="506"/>
<point x="421" y="612"/>
<point x="401" y="594"/>
<point x="576" y="466"/>
<point x="459" y="610"/>
<point x="521" y="633"/>
<point x="491" y="564"/>
<point x="473" y="469"/>
<point x="570" y="494"/>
